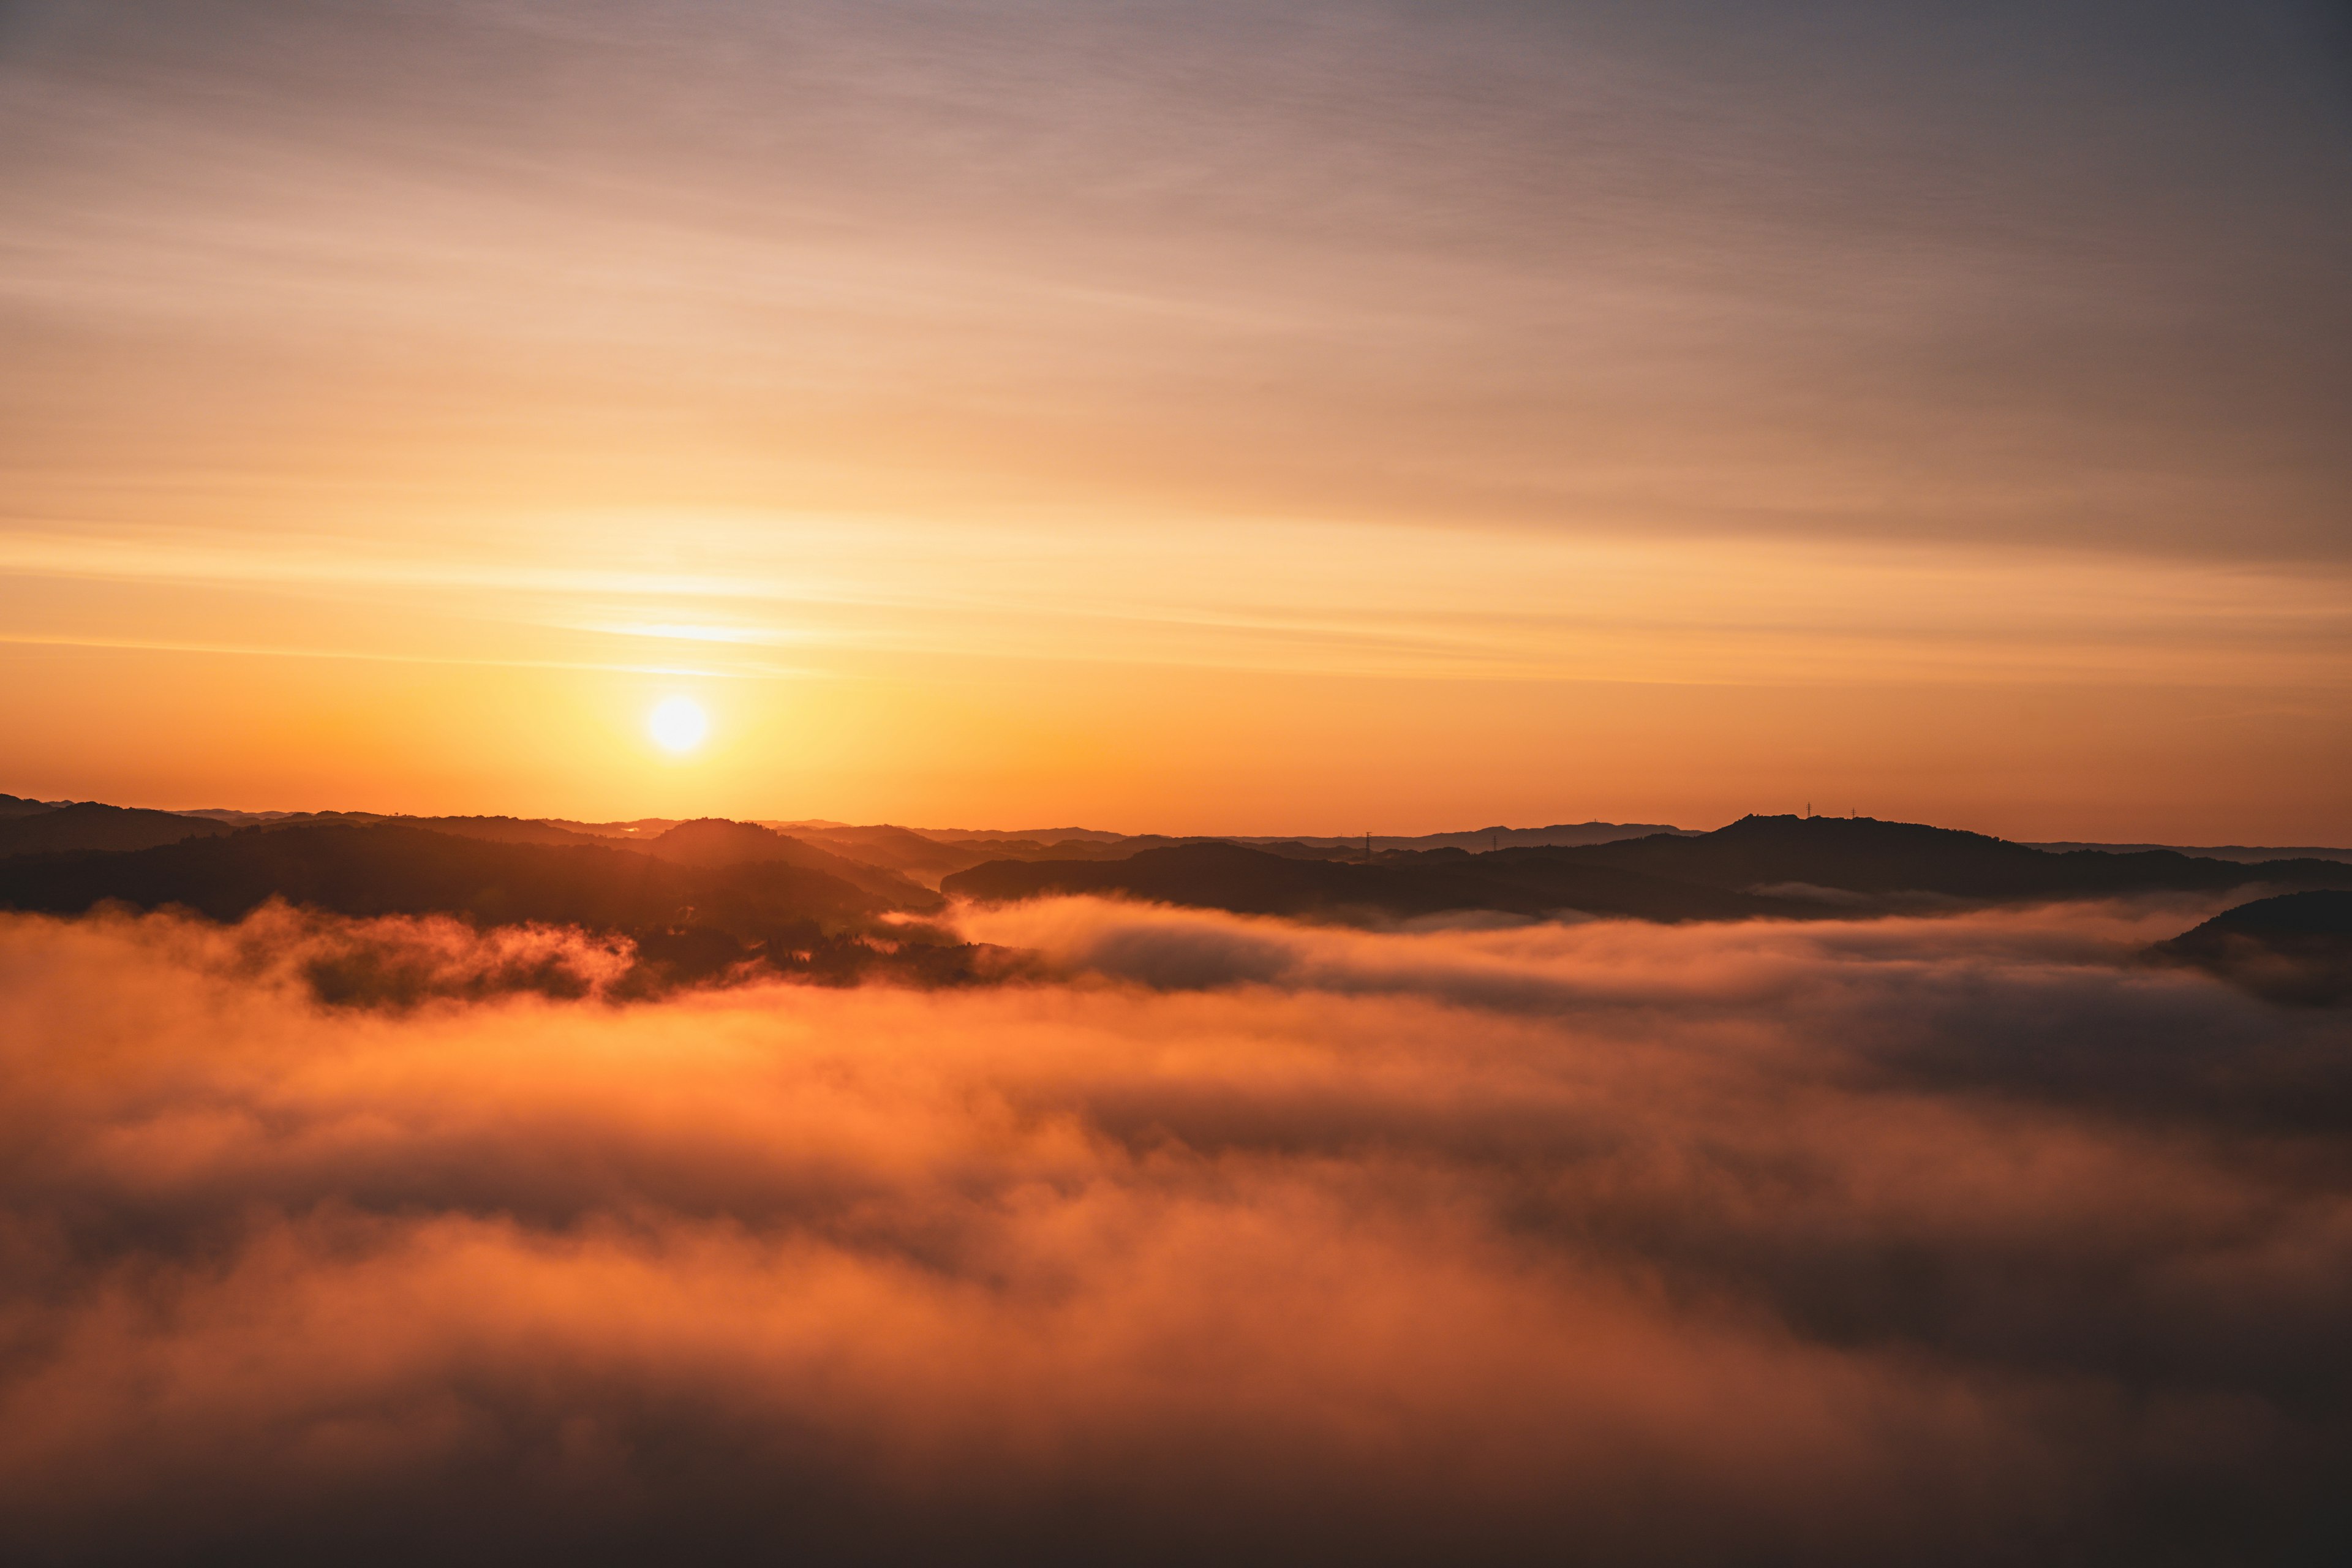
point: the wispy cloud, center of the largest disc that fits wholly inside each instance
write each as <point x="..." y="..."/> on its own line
<point x="1394" y="601"/>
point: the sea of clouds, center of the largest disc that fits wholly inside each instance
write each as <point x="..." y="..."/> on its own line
<point x="1956" y="1238"/>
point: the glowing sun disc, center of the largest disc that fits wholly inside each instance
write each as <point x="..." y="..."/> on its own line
<point x="678" y="723"/>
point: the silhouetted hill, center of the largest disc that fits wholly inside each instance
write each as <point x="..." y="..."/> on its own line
<point x="301" y="818"/>
<point x="498" y="829"/>
<point x="745" y="887"/>
<point x="964" y="853"/>
<point x="1860" y="855"/>
<point x="89" y="825"/>
<point x="494" y="829"/>
<point x="641" y="829"/>
<point x="689" y="922"/>
<point x="17" y="805"/>
<point x="899" y="849"/>
<point x="931" y="853"/>
<point x="1030" y="834"/>
<point x="1075" y="848"/>
<point x="1256" y="882"/>
<point x="1476" y="838"/>
<point x="715" y="841"/>
<point x="2294" y="948"/>
<point x="391" y="869"/>
<point x="925" y="856"/>
<point x="1785" y="866"/>
<point x="2215" y="851"/>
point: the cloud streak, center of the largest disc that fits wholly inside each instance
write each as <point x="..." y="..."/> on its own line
<point x="1932" y="1240"/>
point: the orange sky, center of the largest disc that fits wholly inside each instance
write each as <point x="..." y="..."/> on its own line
<point x="1235" y="418"/>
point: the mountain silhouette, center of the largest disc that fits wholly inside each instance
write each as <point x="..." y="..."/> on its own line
<point x="17" y="805"/>
<point x="2294" y="948"/>
<point x="1475" y="839"/>
<point x="1257" y="881"/>
<point x="929" y="856"/>
<point x="498" y="829"/>
<point x="689" y="922"/>
<point x="1863" y="856"/>
<point x="712" y="893"/>
<point x="901" y="849"/>
<point x="926" y="859"/>
<point x="494" y="829"/>
<point x="713" y="841"/>
<point x="388" y="869"/>
<point x="2216" y="851"/>
<point x="87" y="824"/>
<point x="1783" y="866"/>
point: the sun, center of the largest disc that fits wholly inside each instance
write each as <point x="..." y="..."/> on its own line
<point x="677" y="723"/>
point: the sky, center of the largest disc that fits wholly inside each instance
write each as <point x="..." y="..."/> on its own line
<point x="1231" y="416"/>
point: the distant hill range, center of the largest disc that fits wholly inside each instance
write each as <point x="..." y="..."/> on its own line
<point x="1402" y="885"/>
<point x="2294" y="948"/>
<point x="704" y="900"/>
<point x="87" y="824"/>
<point x="1847" y="857"/>
<point x="1558" y="834"/>
<point x="766" y="891"/>
<point x="2215" y="851"/>
<point x="929" y="853"/>
<point x="1757" y="866"/>
<point x="714" y="842"/>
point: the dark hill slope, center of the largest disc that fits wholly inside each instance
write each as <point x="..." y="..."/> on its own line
<point x="926" y="860"/>
<point x="2287" y="917"/>
<point x="899" y="849"/>
<point x="2294" y="948"/>
<point x="1473" y="840"/>
<point x="1865" y="856"/>
<point x="1554" y="883"/>
<point x="17" y="805"/>
<point x="1252" y="881"/>
<point x="89" y="825"/>
<point x="388" y="869"/>
<point x="690" y="923"/>
<point x="714" y="841"/>
<point x="2216" y="851"/>
<point x="498" y="829"/>
<point x="1758" y="865"/>
<point x="494" y="829"/>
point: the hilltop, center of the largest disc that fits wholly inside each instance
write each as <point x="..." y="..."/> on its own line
<point x="703" y="895"/>
<point x="1779" y="866"/>
<point x="2294" y="948"/>
<point x="691" y="918"/>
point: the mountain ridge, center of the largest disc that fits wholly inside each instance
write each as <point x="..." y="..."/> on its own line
<point x="1788" y="866"/>
<point x="690" y="923"/>
<point x="2294" y="948"/>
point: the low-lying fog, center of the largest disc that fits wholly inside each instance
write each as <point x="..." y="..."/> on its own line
<point x="1924" y="1240"/>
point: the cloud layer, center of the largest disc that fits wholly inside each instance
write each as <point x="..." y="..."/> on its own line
<point x="1932" y="1240"/>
